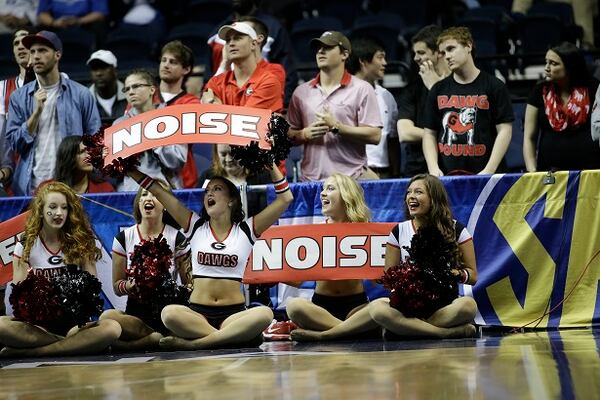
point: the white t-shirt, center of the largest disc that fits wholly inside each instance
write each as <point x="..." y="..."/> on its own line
<point x="377" y="154"/>
<point x="47" y="138"/>
<point x="106" y="104"/>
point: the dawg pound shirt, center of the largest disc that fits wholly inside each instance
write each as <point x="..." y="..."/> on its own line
<point x="220" y="259"/>
<point x="42" y="260"/>
<point x="465" y="117"/>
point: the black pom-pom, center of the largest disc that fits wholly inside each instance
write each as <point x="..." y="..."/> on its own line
<point x="78" y="295"/>
<point x="424" y="283"/>
<point x="117" y="168"/>
<point x="35" y="300"/>
<point x="254" y="158"/>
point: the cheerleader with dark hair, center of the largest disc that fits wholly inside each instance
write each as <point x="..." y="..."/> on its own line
<point x="426" y="204"/>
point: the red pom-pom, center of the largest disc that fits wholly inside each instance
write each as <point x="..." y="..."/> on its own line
<point x="150" y="264"/>
<point x="35" y="300"/>
<point x="423" y="283"/>
<point x="117" y="168"/>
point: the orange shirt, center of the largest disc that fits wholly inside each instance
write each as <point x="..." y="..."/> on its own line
<point x="262" y="90"/>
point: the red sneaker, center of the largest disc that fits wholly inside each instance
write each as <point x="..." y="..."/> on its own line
<point x="279" y="330"/>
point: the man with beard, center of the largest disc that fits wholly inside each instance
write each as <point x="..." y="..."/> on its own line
<point x="44" y="111"/>
<point x="106" y="88"/>
<point x="7" y="87"/>
<point x="277" y="47"/>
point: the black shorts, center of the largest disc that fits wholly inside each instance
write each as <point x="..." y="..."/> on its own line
<point x="340" y="306"/>
<point x="215" y="315"/>
<point x="144" y="312"/>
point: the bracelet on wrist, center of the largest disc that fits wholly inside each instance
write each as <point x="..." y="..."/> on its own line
<point x="281" y="186"/>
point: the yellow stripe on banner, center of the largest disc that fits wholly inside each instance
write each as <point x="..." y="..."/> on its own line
<point x="579" y="307"/>
<point x="510" y="220"/>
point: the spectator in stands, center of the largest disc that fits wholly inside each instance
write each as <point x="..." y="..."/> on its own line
<point x="367" y="62"/>
<point x="17" y="14"/>
<point x="7" y="87"/>
<point x="44" y="111"/>
<point x="262" y="34"/>
<point x="195" y="82"/>
<point x="176" y="63"/>
<point x="557" y="118"/>
<point x="468" y="117"/>
<point x="276" y="49"/>
<point x="245" y="85"/>
<point x="74" y="169"/>
<point x="335" y="115"/>
<point x="413" y="98"/>
<point x="338" y="308"/>
<point x="163" y="162"/>
<point x="106" y="87"/>
<point x="90" y="15"/>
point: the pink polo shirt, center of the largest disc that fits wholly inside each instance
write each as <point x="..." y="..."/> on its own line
<point x="352" y="103"/>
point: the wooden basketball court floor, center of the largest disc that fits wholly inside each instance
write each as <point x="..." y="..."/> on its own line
<point x="531" y="365"/>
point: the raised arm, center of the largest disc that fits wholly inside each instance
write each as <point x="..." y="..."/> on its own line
<point x="268" y="216"/>
<point x="178" y="211"/>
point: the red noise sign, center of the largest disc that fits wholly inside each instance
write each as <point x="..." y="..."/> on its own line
<point x="9" y="230"/>
<point x="187" y="123"/>
<point x="319" y="252"/>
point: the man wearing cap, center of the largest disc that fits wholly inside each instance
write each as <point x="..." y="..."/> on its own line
<point x="245" y="85"/>
<point x="44" y="111"/>
<point x="106" y="88"/>
<point x="335" y="115"/>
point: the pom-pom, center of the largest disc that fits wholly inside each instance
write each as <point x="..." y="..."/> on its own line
<point x="254" y="158"/>
<point x="150" y="266"/>
<point x="35" y="300"/>
<point x="117" y="168"/>
<point x="78" y="295"/>
<point x="424" y="283"/>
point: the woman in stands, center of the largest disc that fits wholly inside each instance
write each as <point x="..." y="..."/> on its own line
<point x="557" y="117"/>
<point x="221" y="240"/>
<point x="74" y="169"/>
<point x="338" y="309"/>
<point x="426" y="204"/>
<point x="141" y="328"/>
<point x="57" y="233"/>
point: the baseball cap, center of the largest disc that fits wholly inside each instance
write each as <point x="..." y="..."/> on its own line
<point x="46" y="38"/>
<point x="106" y="56"/>
<point x="332" y="38"/>
<point x="240" y="27"/>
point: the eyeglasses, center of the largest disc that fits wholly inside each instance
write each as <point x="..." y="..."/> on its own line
<point x="135" y="86"/>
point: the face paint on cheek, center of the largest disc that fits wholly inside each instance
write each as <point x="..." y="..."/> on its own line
<point x="49" y="213"/>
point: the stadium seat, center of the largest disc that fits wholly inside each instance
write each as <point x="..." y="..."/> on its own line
<point x="133" y="45"/>
<point x="384" y="27"/>
<point x="536" y="35"/>
<point x="194" y="35"/>
<point x="306" y="29"/>
<point x="211" y="12"/>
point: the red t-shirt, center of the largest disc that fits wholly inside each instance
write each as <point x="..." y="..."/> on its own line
<point x="262" y="90"/>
